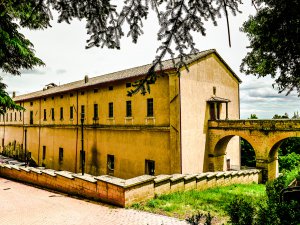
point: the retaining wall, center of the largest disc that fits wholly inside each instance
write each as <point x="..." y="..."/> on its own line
<point x="122" y="192"/>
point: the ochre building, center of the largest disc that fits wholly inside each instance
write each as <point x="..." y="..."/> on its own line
<point x="163" y="132"/>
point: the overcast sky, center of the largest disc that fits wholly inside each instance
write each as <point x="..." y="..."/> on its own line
<point x="62" y="48"/>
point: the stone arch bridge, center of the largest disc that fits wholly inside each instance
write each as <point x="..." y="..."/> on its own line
<point x="265" y="136"/>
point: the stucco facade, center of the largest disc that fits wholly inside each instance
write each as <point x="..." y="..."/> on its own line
<point x="163" y="132"/>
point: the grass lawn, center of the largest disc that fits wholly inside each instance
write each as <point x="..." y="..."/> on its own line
<point x="214" y="200"/>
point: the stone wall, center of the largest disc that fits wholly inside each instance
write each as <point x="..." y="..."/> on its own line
<point x="123" y="192"/>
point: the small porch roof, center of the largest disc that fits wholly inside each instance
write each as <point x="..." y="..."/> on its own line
<point x="218" y="99"/>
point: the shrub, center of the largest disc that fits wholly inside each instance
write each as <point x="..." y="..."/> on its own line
<point x="196" y="218"/>
<point x="241" y="211"/>
<point x="270" y="212"/>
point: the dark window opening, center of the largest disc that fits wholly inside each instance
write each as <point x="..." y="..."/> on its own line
<point x="44" y="152"/>
<point x="61" y="113"/>
<point x="128" y="85"/>
<point x="61" y="96"/>
<point x="45" y="114"/>
<point x="71" y="112"/>
<point x="61" y="155"/>
<point x="6" y="117"/>
<point x="110" y="88"/>
<point x="31" y="117"/>
<point x="149" y="167"/>
<point x="214" y="90"/>
<point x="52" y="114"/>
<point x="31" y="103"/>
<point x="95" y="112"/>
<point x="71" y="94"/>
<point x="95" y="90"/>
<point x="82" y="93"/>
<point x="15" y="116"/>
<point x="110" y="164"/>
<point x="10" y="116"/>
<point x="110" y="109"/>
<point x="128" y="109"/>
<point x="82" y="111"/>
<point x="150" y="107"/>
<point x="20" y="116"/>
<point x="52" y="97"/>
<point x="45" y="99"/>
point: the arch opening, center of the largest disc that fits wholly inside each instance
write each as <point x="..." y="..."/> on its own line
<point x="248" y="158"/>
<point x="284" y="157"/>
<point x="227" y="154"/>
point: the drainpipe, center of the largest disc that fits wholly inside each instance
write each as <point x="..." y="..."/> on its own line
<point x="25" y="147"/>
<point x="180" y="135"/>
<point x="76" y="148"/>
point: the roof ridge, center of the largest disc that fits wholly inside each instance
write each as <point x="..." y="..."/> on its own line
<point x="117" y="75"/>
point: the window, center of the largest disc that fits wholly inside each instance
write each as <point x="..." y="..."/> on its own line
<point x="45" y="99"/>
<point x="71" y="94"/>
<point x="95" y="111"/>
<point x="52" y="97"/>
<point x="149" y="167"/>
<point x="214" y="90"/>
<point x="6" y="117"/>
<point x="45" y="114"/>
<point x="61" y="113"/>
<point x="10" y="116"/>
<point x="15" y="116"/>
<point x="31" y="103"/>
<point x="31" y="117"/>
<point x="110" y="164"/>
<point x="71" y="112"/>
<point x="20" y="116"/>
<point x="52" y="114"/>
<point x="150" y="107"/>
<point x="95" y="90"/>
<point x="44" y="152"/>
<point x="110" y="109"/>
<point x="61" y="155"/>
<point x="128" y="109"/>
<point x="61" y="96"/>
<point x="128" y="85"/>
<point x="110" y="88"/>
<point x="82" y="93"/>
<point x="82" y="111"/>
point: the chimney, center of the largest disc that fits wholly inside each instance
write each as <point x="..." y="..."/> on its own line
<point x="86" y="79"/>
<point x="14" y="94"/>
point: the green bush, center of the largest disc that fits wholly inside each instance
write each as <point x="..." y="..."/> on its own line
<point x="272" y="211"/>
<point x="241" y="211"/>
<point x="196" y="218"/>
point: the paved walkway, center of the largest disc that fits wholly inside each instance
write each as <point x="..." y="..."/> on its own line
<point x="22" y="204"/>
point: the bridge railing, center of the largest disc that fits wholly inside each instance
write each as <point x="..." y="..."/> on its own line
<point x="255" y="124"/>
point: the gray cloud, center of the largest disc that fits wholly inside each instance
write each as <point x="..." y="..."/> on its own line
<point x="34" y="71"/>
<point x="61" y="71"/>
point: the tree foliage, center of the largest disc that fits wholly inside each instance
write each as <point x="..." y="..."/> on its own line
<point x="274" y="34"/>
<point x="5" y="101"/>
<point x="105" y="25"/>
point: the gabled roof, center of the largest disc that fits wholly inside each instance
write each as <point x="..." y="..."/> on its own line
<point x="120" y="75"/>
